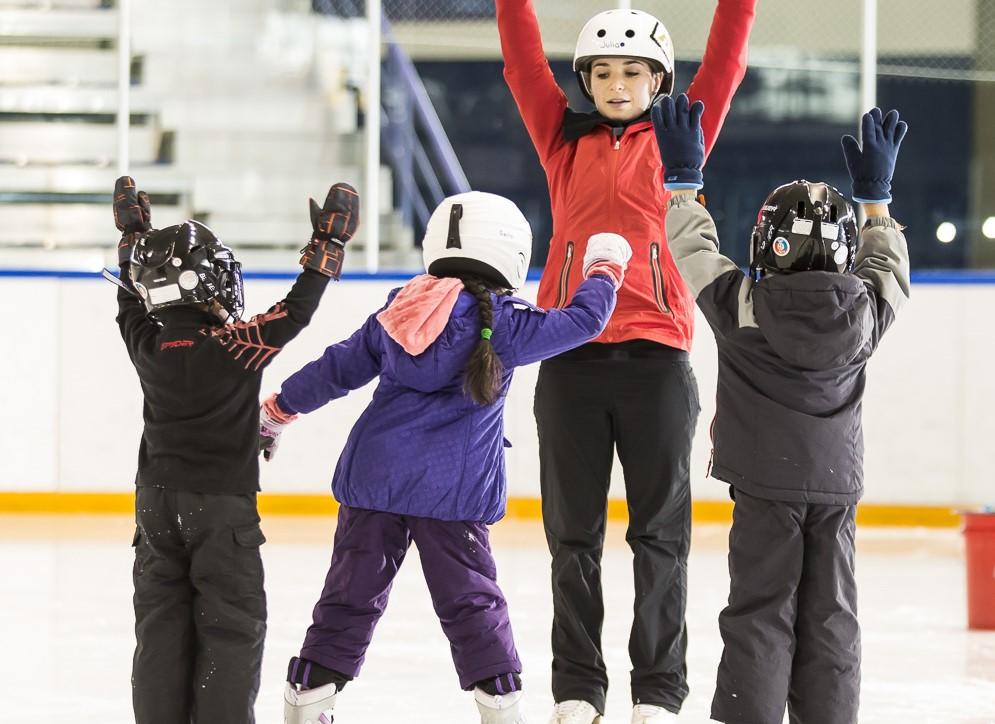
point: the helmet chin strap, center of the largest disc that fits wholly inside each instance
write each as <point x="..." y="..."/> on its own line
<point x="658" y="77"/>
<point x="218" y="310"/>
<point x="585" y="77"/>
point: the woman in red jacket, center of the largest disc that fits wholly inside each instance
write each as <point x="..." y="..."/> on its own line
<point x="631" y="389"/>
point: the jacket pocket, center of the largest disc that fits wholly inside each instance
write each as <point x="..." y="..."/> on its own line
<point x="659" y="287"/>
<point x="562" y="288"/>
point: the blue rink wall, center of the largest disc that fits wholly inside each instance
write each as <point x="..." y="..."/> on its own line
<point x="73" y="405"/>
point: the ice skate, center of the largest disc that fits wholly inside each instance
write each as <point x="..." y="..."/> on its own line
<point x="650" y="714"/>
<point x="574" y="711"/>
<point x="499" y="708"/>
<point x="310" y="706"/>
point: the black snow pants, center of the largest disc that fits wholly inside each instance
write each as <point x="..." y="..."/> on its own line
<point x="200" y="609"/>
<point x="790" y="630"/>
<point x="640" y="398"/>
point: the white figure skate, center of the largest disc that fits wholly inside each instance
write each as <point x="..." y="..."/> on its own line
<point x="574" y="711"/>
<point x="311" y="706"/>
<point x="500" y="708"/>
<point x="650" y="714"/>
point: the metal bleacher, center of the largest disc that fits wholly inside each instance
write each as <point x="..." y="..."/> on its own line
<point x="231" y="122"/>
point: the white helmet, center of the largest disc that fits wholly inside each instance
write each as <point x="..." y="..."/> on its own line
<point x="625" y="34"/>
<point x="478" y="234"/>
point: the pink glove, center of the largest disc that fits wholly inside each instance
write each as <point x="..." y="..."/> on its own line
<point x="272" y="420"/>
<point x="607" y="254"/>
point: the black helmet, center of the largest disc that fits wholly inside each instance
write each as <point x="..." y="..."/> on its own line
<point x="186" y="264"/>
<point x="804" y="226"/>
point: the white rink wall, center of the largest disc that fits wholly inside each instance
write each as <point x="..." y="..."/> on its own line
<point x="72" y="404"/>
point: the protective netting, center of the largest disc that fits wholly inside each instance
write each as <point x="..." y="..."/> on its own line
<point x="952" y="40"/>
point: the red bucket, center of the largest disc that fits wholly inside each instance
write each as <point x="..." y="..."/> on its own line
<point x="979" y="535"/>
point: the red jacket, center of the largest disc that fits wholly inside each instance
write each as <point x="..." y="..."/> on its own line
<point x="598" y="183"/>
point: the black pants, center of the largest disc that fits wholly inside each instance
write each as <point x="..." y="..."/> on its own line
<point x="646" y="406"/>
<point x="790" y="629"/>
<point x="200" y="609"/>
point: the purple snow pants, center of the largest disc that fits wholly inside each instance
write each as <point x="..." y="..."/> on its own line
<point x="461" y="576"/>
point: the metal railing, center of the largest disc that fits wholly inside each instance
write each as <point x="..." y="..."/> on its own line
<point x="414" y="141"/>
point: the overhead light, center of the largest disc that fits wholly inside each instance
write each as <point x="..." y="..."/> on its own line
<point x="988" y="228"/>
<point x="946" y="232"/>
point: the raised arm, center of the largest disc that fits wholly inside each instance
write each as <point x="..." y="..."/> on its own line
<point x="259" y="340"/>
<point x="883" y="263"/>
<point x="883" y="258"/>
<point x="720" y="289"/>
<point x="723" y="65"/>
<point x="132" y="217"/>
<point x="541" y="102"/>
<point x="537" y="335"/>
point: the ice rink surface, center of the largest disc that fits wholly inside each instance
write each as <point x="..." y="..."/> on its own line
<point x="66" y="630"/>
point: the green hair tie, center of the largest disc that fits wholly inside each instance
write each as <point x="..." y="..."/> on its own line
<point x="485" y="333"/>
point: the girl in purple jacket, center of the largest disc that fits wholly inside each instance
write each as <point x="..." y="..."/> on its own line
<point x="425" y="461"/>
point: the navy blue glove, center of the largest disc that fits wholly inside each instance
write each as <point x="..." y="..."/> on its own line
<point x="682" y="144"/>
<point x="872" y="166"/>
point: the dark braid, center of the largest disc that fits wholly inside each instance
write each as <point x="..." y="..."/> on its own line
<point x="484" y="370"/>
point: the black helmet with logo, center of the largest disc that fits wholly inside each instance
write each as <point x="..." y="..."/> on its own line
<point x="186" y="264"/>
<point x="804" y="226"/>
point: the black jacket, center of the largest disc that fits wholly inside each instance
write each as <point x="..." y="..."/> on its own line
<point x="201" y="382"/>
<point x="792" y="351"/>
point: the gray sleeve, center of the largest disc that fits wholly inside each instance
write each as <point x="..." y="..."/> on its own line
<point x="721" y="290"/>
<point x="883" y="264"/>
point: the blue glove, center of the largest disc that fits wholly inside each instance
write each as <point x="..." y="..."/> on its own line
<point x="682" y="144"/>
<point x="872" y="166"/>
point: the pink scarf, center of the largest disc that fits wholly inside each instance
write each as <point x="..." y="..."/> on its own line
<point x="420" y="311"/>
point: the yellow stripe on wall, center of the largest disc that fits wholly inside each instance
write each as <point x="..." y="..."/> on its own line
<point x="702" y="511"/>
<point x="74" y="503"/>
<point x="920" y="516"/>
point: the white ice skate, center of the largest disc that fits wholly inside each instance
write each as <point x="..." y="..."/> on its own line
<point x="574" y="711"/>
<point x="311" y="706"/>
<point x="649" y="714"/>
<point x="500" y="708"/>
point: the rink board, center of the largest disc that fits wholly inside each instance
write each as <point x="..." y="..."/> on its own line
<point x="77" y="403"/>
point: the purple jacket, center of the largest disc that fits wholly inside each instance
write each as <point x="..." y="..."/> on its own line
<point x="422" y="447"/>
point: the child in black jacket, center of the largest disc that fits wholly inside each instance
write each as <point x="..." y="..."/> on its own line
<point x="794" y="337"/>
<point x="200" y="608"/>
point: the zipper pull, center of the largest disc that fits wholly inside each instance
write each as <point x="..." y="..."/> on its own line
<point x="617" y="132"/>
